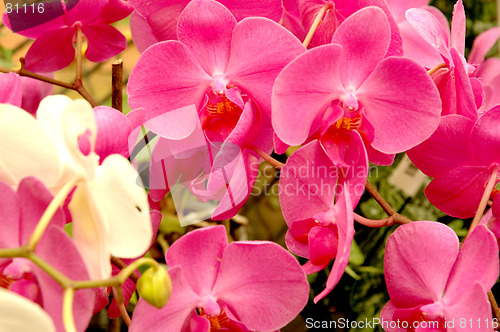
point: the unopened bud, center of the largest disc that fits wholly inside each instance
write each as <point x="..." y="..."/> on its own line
<point x="155" y="286"/>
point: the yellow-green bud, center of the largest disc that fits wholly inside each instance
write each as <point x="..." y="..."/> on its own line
<point x="155" y="286"/>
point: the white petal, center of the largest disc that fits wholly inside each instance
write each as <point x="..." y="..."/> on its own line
<point x="122" y="201"/>
<point x="17" y="314"/>
<point x="25" y="148"/>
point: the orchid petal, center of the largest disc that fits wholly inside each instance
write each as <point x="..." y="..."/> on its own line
<point x="466" y="104"/>
<point x="271" y="9"/>
<point x="142" y="35"/>
<point x="457" y="192"/>
<point x="205" y="27"/>
<point x="394" y="104"/>
<point x="10" y="217"/>
<point x="199" y="255"/>
<point x="104" y="41"/>
<point x="175" y="125"/>
<point x="124" y="207"/>
<point x="471" y="306"/>
<point x="186" y="85"/>
<point x="482" y="44"/>
<point x="309" y="167"/>
<point x="413" y="272"/>
<point x="257" y="277"/>
<point x="429" y="28"/>
<point x="52" y="50"/>
<point x="447" y="148"/>
<point x="84" y="11"/>
<point x="10" y="89"/>
<point x="485" y="137"/>
<point x="458" y="27"/>
<point x="32" y="143"/>
<point x="260" y="49"/>
<point x="480" y="249"/>
<point x="15" y="308"/>
<point x="364" y="37"/>
<point x="302" y="92"/>
<point x="113" y="130"/>
<point x="322" y="245"/>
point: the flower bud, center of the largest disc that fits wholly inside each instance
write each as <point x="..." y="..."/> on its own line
<point x="155" y="286"/>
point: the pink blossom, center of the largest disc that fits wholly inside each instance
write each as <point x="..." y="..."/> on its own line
<point x="255" y="283"/>
<point x="333" y="90"/>
<point x="155" y="21"/>
<point x="19" y="214"/>
<point x="461" y="156"/>
<point x="53" y="47"/>
<point x="430" y="279"/>
<point x="338" y="12"/>
<point x="11" y="90"/>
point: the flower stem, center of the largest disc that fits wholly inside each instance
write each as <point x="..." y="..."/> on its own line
<point x="68" y="297"/>
<point x="266" y="157"/>
<point x="398" y="218"/>
<point x="484" y="200"/>
<point x="389" y="221"/>
<point x="118" y="292"/>
<point x="316" y="23"/>
<point x="117" y="85"/>
<point x="79" y="40"/>
<point x="56" y="202"/>
<point x="435" y="69"/>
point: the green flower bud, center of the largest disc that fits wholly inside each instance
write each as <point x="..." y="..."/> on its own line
<point x="155" y="286"/>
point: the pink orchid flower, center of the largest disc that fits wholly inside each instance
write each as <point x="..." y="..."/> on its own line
<point x="431" y="279"/>
<point x="491" y="219"/>
<point x="240" y="286"/>
<point x="315" y="197"/>
<point x="19" y="214"/>
<point x="13" y="312"/>
<point x="110" y="212"/>
<point x="461" y="92"/>
<point x="337" y="13"/>
<point x="333" y="90"/>
<point x="53" y="47"/>
<point x="414" y="46"/>
<point x="11" y="90"/>
<point x="155" y="21"/>
<point x="461" y="156"/>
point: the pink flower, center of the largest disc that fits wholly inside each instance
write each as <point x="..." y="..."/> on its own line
<point x="216" y="284"/>
<point x="430" y="279"/>
<point x="11" y="90"/>
<point x="338" y="12"/>
<point x="461" y="156"/>
<point x="19" y="213"/>
<point x="315" y="197"/>
<point x="155" y="21"/>
<point x="333" y="90"/>
<point x="53" y="48"/>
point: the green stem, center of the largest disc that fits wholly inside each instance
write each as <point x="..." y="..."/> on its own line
<point x="56" y="202"/>
<point x="68" y="297"/>
<point x="13" y="252"/>
<point x="316" y="23"/>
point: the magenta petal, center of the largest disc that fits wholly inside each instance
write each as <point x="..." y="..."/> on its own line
<point x="402" y="103"/>
<point x="262" y="283"/>
<point x="466" y="104"/>
<point x="173" y="315"/>
<point x="51" y="9"/>
<point x="52" y="50"/>
<point x="36" y="198"/>
<point x="199" y="254"/>
<point x="471" y="306"/>
<point x="447" y="148"/>
<point x="496" y="206"/>
<point x="33" y="93"/>
<point x="177" y="124"/>
<point x="480" y="250"/>
<point x="10" y="89"/>
<point x="142" y="35"/>
<point x="365" y="38"/>
<point x="186" y="84"/>
<point x="458" y="192"/>
<point x="322" y="245"/>
<point x="271" y="9"/>
<point x="482" y="44"/>
<point x="58" y="250"/>
<point x="10" y="217"/>
<point x="387" y="314"/>
<point x="205" y="27"/>
<point x="414" y="273"/>
<point x="458" y="27"/>
<point x="115" y="10"/>
<point x="260" y="49"/>
<point x="345" y="227"/>
<point x="84" y="11"/>
<point x="486" y="137"/>
<point x="429" y="28"/>
<point x="296" y="247"/>
<point x="307" y="183"/>
<point x="104" y="42"/>
<point x="113" y="130"/>
<point x="302" y="92"/>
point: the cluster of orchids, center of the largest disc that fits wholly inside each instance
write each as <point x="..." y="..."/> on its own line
<point x="219" y="87"/>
